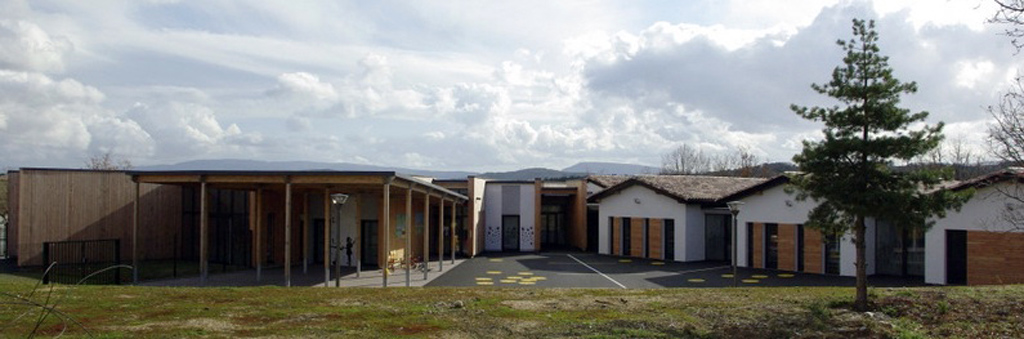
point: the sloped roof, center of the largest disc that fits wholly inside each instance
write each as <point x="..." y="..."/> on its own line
<point x="686" y="188"/>
<point x="607" y="181"/>
<point x="987" y="179"/>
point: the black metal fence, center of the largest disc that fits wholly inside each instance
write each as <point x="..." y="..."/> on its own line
<point x="77" y="259"/>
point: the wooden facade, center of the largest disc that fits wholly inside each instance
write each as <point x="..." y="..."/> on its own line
<point x="59" y="205"/>
<point x="995" y="258"/>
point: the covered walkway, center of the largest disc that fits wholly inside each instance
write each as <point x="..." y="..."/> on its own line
<point x="297" y="219"/>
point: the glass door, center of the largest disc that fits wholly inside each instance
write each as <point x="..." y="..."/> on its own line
<point x="510" y="233"/>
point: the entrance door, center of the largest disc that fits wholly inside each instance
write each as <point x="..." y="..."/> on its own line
<point x="552" y="232"/>
<point x="956" y="257"/>
<point x="510" y="233"/>
<point x="368" y="245"/>
<point x="716" y="237"/>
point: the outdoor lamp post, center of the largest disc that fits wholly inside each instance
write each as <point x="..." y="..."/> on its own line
<point x="734" y="208"/>
<point x="337" y="199"/>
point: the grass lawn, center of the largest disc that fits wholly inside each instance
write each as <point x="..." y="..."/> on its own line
<point x="126" y="311"/>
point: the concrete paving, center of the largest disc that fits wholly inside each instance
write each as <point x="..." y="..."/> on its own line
<point x="314" y="277"/>
<point x="573" y="269"/>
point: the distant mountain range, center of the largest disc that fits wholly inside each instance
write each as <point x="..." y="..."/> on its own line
<point x="578" y="170"/>
<point x="610" y="168"/>
<point x="259" y="165"/>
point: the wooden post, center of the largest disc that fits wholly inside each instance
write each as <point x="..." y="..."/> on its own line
<point x="135" y="236"/>
<point x="426" y="232"/>
<point x="454" y="201"/>
<point x="259" y="234"/>
<point x="327" y="236"/>
<point x="288" y="233"/>
<point x="387" y="229"/>
<point x="203" y="237"/>
<point x="408" y="236"/>
<point x="359" y="234"/>
<point x="440" y="235"/>
<point x="305" y="233"/>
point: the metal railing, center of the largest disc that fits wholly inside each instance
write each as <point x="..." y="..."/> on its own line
<point x="74" y="260"/>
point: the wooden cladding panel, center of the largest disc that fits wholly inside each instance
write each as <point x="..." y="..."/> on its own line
<point x="758" y="248"/>
<point x="995" y="258"/>
<point x="578" y="236"/>
<point x="89" y="205"/>
<point x="654" y="243"/>
<point x="636" y="237"/>
<point x="787" y="247"/>
<point x="813" y="251"/>
<point x="616" y="238"/>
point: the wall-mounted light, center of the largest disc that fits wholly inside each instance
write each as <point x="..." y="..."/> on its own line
<point x="339" y="198"/>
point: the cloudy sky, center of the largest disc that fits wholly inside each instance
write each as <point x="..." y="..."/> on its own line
<point x="471" y="85"/>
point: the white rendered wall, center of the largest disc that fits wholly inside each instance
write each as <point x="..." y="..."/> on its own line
<point x="982" y="213"/>
<point x="492" y="220"/>
<point x="493" y="211"/>
<point x="772" y="205"/>
<point x="652" y="205"/>
<point x="527" y="219"/>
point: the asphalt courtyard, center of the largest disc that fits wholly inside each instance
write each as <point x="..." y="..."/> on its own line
<point x="591" y="270"/>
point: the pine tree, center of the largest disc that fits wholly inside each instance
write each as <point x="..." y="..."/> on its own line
<point x="851" y="172"/>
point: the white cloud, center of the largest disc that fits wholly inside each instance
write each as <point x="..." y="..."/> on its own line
<point x="45" y="121"/>
<point x="306" y="85"/>
<point x="506" y="84"/>
<point x="969" y="73"/>
<point x="25" y="46"/>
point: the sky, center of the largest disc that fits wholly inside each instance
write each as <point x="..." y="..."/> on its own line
<point x="464" y="85"/>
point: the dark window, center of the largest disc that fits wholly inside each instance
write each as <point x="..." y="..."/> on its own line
<point x="626" y="238"/>
<point x="670" y="239"/>
<point x="647" y="234"/>
<point x="832" y="253"/>
<point x="611" y="235"/>
<point x="799" y="248"/>
<point x="898" y="251"/>
<point x="750" y="244"/>
<point x="771" y="245"/>
<point x="368" y="245"/>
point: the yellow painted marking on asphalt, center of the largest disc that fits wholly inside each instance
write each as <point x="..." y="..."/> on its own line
<point x="513" y="277"/>
<point x="750" y="281"/>
<point x="527" y="283"/>
<point x="759" y="276"/>
<point x="625" y="260"/>
<point x="493" y="272"/>
<point x="483" y="279"/>
<point x="525" y="273"/>
<point x="540" y="278"/>
<point x="657" y="263"/>
<point x="785" y="275"/>
<point x="507" y="281"/>
<point x="494" y="260"/>
<point x="727" y="276"/>
<point x="696" y="280"/>
<point x="488" y="283"/>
